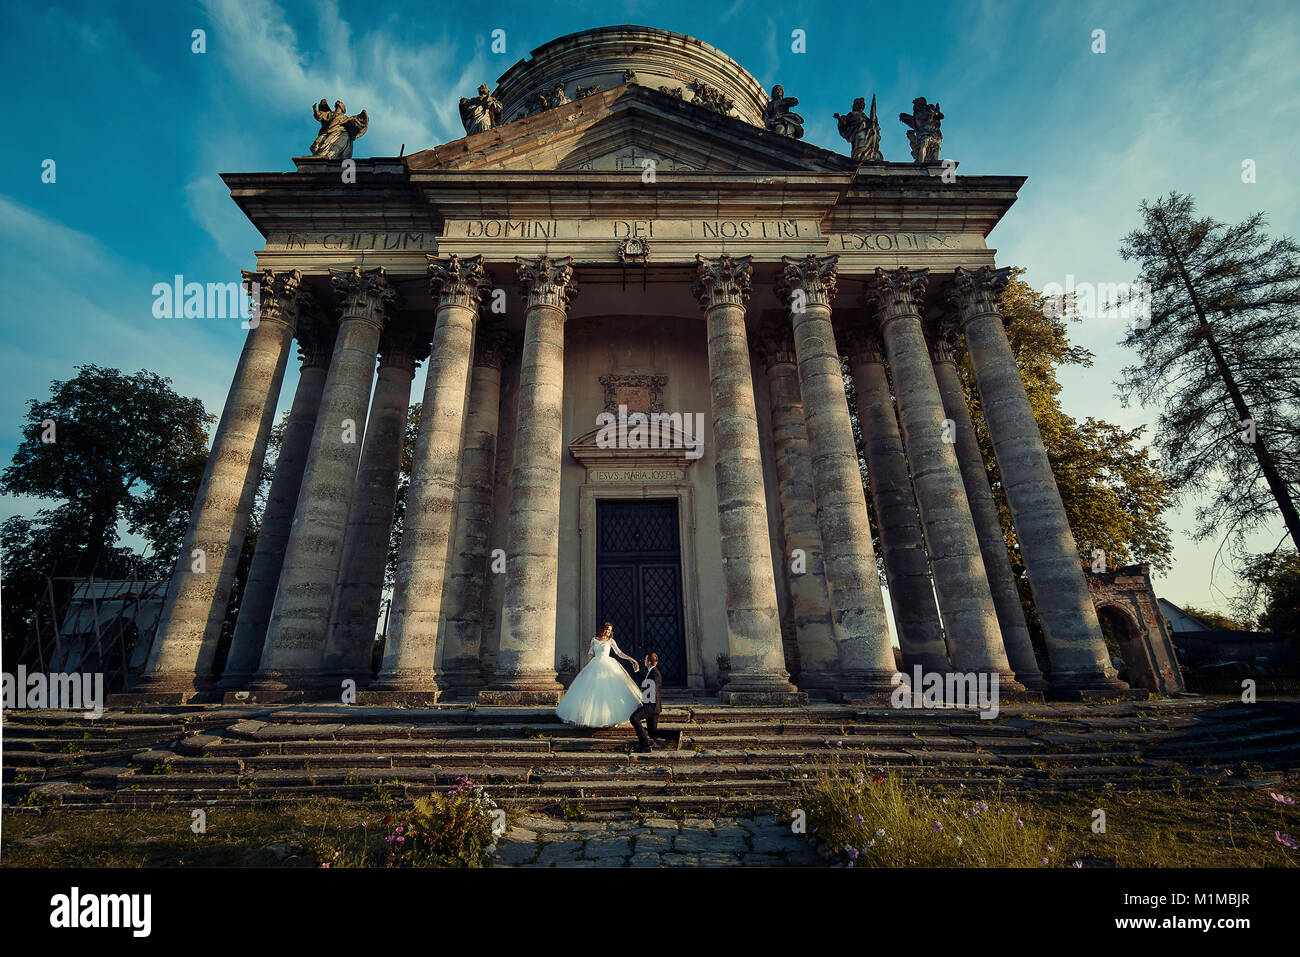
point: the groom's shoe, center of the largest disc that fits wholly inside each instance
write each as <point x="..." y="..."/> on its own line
<point x="644" y="748"/>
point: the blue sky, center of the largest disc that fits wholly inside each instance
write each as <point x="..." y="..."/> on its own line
<point x="139" y="127"/>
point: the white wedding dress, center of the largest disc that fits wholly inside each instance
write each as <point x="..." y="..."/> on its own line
<point x="602" y="694"/>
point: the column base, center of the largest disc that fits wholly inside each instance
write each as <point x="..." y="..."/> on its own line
<point x="388" y="698"/>
<point x="1085" y="686"/>
<point x="312" y="682"/>
<point x="537" y="688"/>
<point x="937" y="662"/>
<point x="165" y="689"/>
<point x="1033" y="681"/>
<point x="864" y="687"/>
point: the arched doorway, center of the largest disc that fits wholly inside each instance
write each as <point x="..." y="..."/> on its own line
<point x="1126" y="643"/>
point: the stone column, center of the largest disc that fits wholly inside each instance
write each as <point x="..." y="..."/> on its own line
<point x="315" y="345"/>
<point x="460" y="670"/>
<point x="1074" y="644"/>
<point x="866" y="656"/>
<point x="295" y="638"/>
<point x="411" y="648"/>
<point x="809" y="599"/>
<point x="902" y="541"/>
<point x="965" y="601"/>
<point x="988" y="527"/>
<point x="526" y="659"/>
<point x="758" y="674"/>
<point x="185" y="645"/>
<point x="370" y="519"/>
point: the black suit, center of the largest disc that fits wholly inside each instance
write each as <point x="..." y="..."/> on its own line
<point x="649" y="712"/>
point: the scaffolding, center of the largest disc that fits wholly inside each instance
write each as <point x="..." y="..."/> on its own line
<point x="94" y="626"/>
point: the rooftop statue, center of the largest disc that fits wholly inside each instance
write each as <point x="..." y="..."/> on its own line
<point x="923" y="130"/>
<point x="337" y="130"/>
<point x="480" y="113"/>
<point x="862" y="131"/>
<point x="779" y="117"/>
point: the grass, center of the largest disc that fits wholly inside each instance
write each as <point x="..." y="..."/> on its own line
<point x="951" y="827"/>
<point x="275" y="834"/>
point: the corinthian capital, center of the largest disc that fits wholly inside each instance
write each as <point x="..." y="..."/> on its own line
<point x="491" y="345"/>
<point x="315" y="333"/>
<point x="402" y="347"/>
<point x="861" y="341"/>
<point x="365" y="294"/>
<point x="547" y="281"/>
<point x="941" y="337"/>
<point x="814" y="276"/>
<point x="458" y="281"/>
<point x="976" y="292"/>
<point x="722" y="280"/>
<point x="276" y="296"/>
<point x="773" y="342"/>
<point x="896" y="292"/>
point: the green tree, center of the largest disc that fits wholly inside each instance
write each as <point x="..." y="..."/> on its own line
<point x="1221" y="360"/>
<point x="1271" y="592"/>
<point x="1217" y="620"/>
<point x="119" y="454"/>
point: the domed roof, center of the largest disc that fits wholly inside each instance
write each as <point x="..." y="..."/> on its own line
<point x="606" y="57"/>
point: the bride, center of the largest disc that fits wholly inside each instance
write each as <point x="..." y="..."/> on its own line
<point x="602" y="694"/>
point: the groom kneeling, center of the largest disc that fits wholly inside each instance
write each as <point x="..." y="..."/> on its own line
<point x="651" y="686"/>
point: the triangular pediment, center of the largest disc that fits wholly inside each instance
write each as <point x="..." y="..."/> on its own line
<point x="619" y="129"/>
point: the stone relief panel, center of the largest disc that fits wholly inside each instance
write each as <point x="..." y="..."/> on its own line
<point x="639" y="393"/>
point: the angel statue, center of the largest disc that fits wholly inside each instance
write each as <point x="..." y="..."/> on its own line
<point x="337" y="130"/>
<point x="779" y="117"/>
<point x="480" y="113"/>
<point x="862" y="131"/>
<point x="923" y="130"/>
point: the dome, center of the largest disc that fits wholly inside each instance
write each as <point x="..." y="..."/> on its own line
<point x="607" y="57"/>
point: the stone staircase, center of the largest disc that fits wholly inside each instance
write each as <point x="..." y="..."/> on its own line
<point x="726" y="758"/>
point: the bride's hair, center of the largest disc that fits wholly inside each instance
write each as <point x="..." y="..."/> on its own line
<point x="609" y="625"/>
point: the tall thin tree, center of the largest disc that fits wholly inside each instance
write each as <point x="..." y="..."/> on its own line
<point x="1220" y="357"/>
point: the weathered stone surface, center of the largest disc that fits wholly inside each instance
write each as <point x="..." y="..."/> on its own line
<point x="970" y="618"/>
<point x="370" y="519"/>
<point x="295" y="638"/>
<point x="859" y="627"/>
<point x="526" y="655"/>
<point x="757" y="660"/>
<point x="1070" y="626"/>
<point x="185" y="644"/>
<point x="411" y="651"/>
<point x="902" y="542"/>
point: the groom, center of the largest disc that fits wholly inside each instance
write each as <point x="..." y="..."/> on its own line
<point x="651" y="687"/>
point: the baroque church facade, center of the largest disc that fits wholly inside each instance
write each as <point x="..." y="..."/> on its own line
<point x="631" y="241"/>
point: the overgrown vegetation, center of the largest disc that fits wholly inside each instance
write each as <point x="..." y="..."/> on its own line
<point x="873" y="818"/>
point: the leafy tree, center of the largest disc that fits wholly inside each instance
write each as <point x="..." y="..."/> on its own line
<point x="1216" y="619"/>
<point x="1221" y="359"/>
<point x="127" y="456"/>
<point x="1273" y="581"/>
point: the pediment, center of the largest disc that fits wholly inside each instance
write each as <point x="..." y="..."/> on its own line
<point x="660" y="443"/>
<point x="619" y="130"/>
